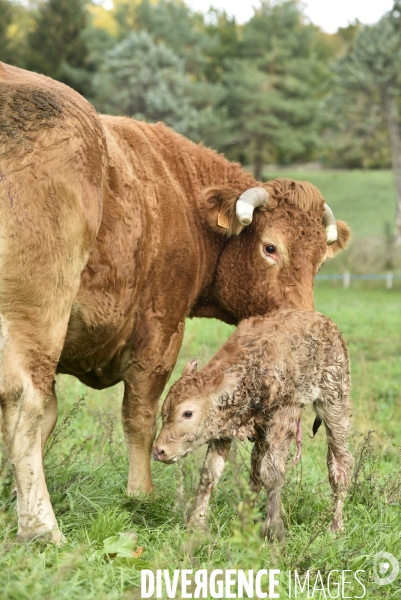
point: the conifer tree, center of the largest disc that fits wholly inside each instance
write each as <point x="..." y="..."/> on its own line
<point x="57" y="45"/>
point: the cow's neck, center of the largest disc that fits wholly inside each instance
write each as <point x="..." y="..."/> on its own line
<point x="212" y="243"/>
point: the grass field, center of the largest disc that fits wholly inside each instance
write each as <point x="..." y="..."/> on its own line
<point x="87" y="467"/>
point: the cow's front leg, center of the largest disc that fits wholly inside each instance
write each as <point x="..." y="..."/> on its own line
<point x="139" y="413"/>
<point x="212" y="470"/>
<point x="144" y="384"/>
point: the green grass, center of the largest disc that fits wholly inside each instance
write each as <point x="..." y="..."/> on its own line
<point x="87" y="469"/>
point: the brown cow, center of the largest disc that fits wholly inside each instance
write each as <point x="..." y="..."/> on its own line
<point x="256" y="386"/>
<point x="112" y="232"/>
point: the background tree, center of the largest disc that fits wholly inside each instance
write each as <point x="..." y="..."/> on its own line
<point x="6" y="12"/>
<point x="56" y="43"/>
<point x="368" y="94"/>
<point x="274" y="90"/>
<point x="15" y="20"/>
<point x="170" y="22"/>
<point x="224" y="45"/>
<point x="146" y="80"/>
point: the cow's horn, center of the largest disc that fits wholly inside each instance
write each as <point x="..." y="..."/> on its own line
<point x="330" y="224"/>
<point x="247" y="203"/>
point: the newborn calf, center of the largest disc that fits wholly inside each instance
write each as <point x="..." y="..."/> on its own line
<point x="256" y="386"/>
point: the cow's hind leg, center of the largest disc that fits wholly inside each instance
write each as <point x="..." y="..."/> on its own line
<point x="43" y="251"/>
<point x="33" y="335"/>
<point x="26" y="384"/>
<point x="51" y="199"/>
<point x="50" y="416"/>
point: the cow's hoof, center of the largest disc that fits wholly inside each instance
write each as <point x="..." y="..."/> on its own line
<point x="54" y="536"/>
<point x="144" y="489"/>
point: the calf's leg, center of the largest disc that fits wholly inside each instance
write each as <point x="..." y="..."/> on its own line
<point x="281" y="431"/>
<point x="212" y="470"/>
<point x="257" y="454"/>
<point x="335" y="414"/>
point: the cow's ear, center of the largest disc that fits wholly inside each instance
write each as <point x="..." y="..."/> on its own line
<point x="218" y="203"/>
<point x="344" y="236"/>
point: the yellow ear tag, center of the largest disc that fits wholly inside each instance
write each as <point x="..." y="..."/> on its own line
<point x="222" y="220"/>
<point x="330" y="252"/>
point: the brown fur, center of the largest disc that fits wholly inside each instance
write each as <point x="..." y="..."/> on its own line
<point x="256" y="387"/>
<point x="108" y="242"/>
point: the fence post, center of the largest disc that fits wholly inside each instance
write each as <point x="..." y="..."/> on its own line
<point x="389" y="281"/>
<point x="347" y="279"/>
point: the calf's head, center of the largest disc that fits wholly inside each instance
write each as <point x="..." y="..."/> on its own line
<point x="278" y="235"/>
<point x="192" y="412"/>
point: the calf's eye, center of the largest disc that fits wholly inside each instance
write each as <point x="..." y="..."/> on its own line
<point x="188" y="414"/>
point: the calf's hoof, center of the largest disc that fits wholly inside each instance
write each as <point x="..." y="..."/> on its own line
<point x="275" y="532"/>
<point x="196" y="522"/>
<point x="336" y="525"/>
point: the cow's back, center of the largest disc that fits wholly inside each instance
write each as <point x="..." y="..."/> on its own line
<point x="50" y="136"/>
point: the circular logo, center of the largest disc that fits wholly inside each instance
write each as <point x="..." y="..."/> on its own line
<point x="385" y="568"/>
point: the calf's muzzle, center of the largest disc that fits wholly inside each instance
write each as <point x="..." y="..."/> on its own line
<point x="159" y="453"/>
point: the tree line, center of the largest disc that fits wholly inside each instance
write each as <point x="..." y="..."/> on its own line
<point x="276" y="89"/>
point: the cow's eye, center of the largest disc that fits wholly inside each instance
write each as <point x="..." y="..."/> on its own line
<point x="270" y="249"/>
<point x="188" y="414"/>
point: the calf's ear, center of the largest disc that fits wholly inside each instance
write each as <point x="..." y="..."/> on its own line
<point x="218" y="203"/>
<point x="228" y="381"/>
<point x="190" y="368"/>
<point x="344" y="236"/>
